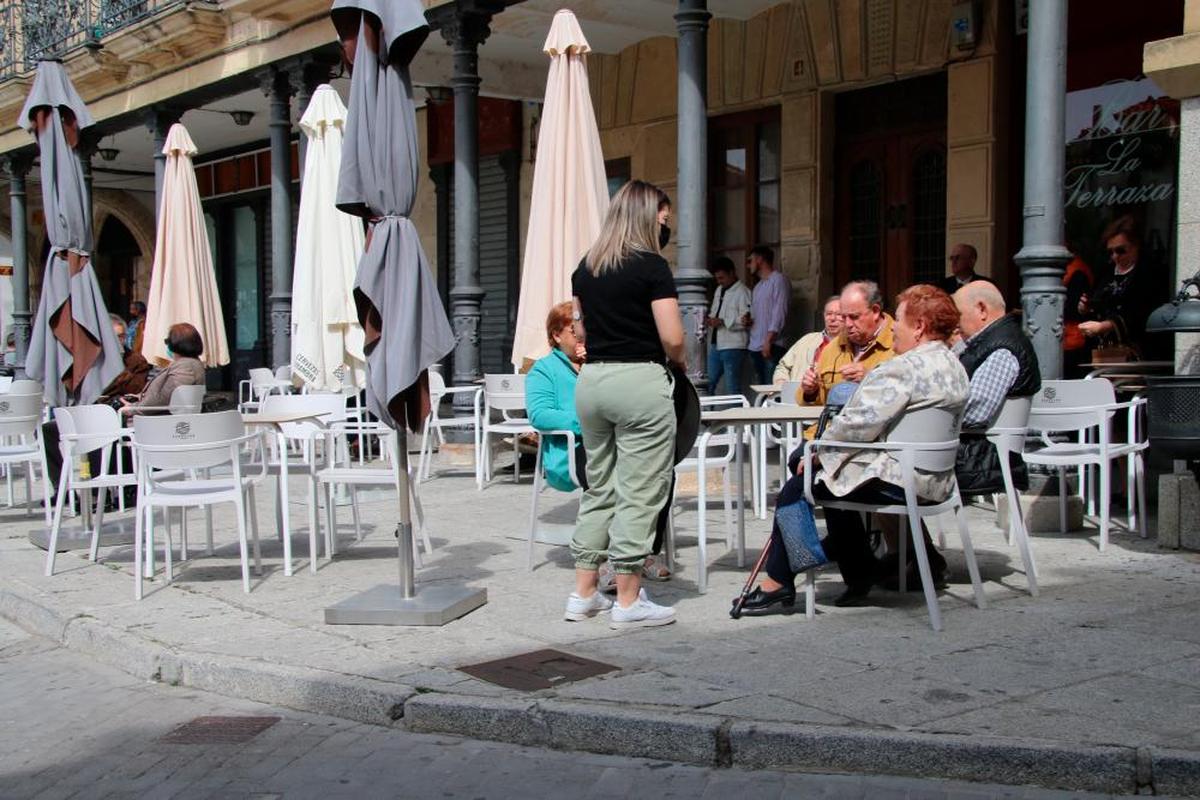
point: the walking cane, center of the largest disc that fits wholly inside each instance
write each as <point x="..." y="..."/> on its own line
<point x="736" y="611"/>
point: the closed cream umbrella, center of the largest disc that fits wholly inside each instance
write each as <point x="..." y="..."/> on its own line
<point x="183" y="285"/>
<point x="327" y="340"/>
<point x="570" y="190"/>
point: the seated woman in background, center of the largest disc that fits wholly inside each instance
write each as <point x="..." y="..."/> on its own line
<point x="924" y="374"/>
<point x="184" y="346"/>
<point x="550" y="401"/>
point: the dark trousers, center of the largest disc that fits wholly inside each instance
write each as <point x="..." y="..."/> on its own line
<point x="847" y="543"/>
<point x="54" y="463"/>
<point x="660" y="526"/>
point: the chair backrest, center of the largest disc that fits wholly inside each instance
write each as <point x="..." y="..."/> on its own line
<point x="437" y="386"/>
<point x="1058" y="396"/>
<point x="91" y="420"/>
<point x="787" y="393"/>
<point x="504" y="392"/>
<point x="260" y="376"/>
<point x="1008" y="431"/>
<point x="189" y="441"/>
<point x="331" y="407"/>
<point x="6" y="382"/>
<point x="186" y="399"/>
<point x="20" y="414"/>
<point x="25" y="386"/>
<point x="283" y="373"/>
<point x="928" y="425"/>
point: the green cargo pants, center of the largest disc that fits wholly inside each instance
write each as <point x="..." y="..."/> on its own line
<point x="628" y="421"/>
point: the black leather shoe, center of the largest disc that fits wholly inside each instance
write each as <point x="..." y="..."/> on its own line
<point x="853" y="596"/>
<point x="759" y="602"/>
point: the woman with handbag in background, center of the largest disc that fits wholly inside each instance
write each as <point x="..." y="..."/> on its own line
<point x="1115" y="314"/>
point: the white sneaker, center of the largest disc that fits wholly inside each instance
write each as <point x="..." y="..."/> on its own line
<point x="642" y="614"/>
<point x="580" y="608"/>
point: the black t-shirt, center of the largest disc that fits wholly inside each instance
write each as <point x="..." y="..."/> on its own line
<point x="616" y="308"/>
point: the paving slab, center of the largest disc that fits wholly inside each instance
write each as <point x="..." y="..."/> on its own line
<point x="1103" y="664"/>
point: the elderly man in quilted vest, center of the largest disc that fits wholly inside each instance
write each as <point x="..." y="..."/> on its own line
<point x="924" y="374"/>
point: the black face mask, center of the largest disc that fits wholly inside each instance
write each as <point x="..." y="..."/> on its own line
<point x="664" y="236"/>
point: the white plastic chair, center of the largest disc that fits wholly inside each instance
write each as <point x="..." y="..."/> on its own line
<point x="1007" y="434"/>
<point x="6" y="382"/>
<point x="539" y="482"/>
<point x="719" y="454"/>
<point x="435" y="423"/>
<point x="166" y="445"/>
<point x="331" y="410"/>
<point x="20" y="434"/>
<point x="331" y="476"/>
<point x="924" y="440"/>
<point x="25" y="386"/>
<point x="503" y="393"/>
<point x="83" y="430"/>
<point x="1089" y="406"/>
<point x="261" y="382"/>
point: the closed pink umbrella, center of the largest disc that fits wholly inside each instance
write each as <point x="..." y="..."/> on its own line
<point x="570" y="191"/>
<point x="183" y="284"/>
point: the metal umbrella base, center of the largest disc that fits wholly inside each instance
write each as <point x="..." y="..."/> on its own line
<point x="386" y="605"/>
<point x="405" y="604"/>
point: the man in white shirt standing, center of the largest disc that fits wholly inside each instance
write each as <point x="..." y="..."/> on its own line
<point x="768" y="312"/>
<point x="727" y="336"/>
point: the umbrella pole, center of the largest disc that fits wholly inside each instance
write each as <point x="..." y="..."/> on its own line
<point x="404" y="603"/>
<point x="404" y="538"/>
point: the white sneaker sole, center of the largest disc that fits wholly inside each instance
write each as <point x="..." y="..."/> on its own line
<point x="580" y="616"/>
<point x="649" y="622"/>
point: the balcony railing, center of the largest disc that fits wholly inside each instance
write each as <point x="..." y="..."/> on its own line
<point x="31" y="30"/>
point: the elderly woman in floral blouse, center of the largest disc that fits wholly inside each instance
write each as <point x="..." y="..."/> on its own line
<point x="924" y="374"/>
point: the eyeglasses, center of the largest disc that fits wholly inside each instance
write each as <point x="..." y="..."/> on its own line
<point x="1119" y="250"/>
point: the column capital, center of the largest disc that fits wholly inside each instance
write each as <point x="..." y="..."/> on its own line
<point x="692" y="15"/>
<point x="467" y="30"/>
<point x="159" y="118"/>
<point x="280" y="82"/>
<point x="89" y="142"/>
<point x="17" y="165"/>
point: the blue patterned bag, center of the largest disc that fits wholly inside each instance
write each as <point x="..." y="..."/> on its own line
<point x="800" y="537"/>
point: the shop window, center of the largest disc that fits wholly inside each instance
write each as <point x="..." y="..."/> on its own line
<point x="744" y="183"/>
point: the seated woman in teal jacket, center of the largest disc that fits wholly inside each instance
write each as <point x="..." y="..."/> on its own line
<point x="550" y="399"/>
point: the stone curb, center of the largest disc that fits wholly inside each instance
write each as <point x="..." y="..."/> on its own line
<point x="315" y="691"/>
<point x="636" y="732"/>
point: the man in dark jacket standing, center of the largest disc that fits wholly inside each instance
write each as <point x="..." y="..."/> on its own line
<point x="1001" y="364"/>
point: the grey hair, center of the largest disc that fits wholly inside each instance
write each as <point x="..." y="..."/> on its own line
<point x="869" y="289"/>
<point x="833" y="298"/>
<point x="117" y="319"/>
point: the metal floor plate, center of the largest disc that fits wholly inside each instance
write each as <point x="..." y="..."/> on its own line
<point x="219" y="730"/>
<point x="541" y="669"/>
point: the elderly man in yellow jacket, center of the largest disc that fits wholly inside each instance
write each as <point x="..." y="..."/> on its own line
<point x="864" y="343"/>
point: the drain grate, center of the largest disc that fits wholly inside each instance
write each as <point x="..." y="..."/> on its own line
<point x="219" y="730"/>
<point x="541" y="669"/>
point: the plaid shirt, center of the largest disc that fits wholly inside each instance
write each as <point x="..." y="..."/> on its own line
<point x="989" y="387"/>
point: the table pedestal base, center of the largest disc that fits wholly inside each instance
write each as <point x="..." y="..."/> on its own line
<point x="384" y="605"/>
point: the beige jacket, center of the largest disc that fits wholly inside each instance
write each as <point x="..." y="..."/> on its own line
<point x="798" y="358"/>
<point x="928" y="376"/>
<point x="180" y="372"/>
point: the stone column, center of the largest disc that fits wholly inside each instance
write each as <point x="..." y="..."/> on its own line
<point x="277" y="85"/>
<point x="17" y="166"/>
<point x="465" y="33"/>
<point x="159" y="120"/>
<point x="691" y="201"/>
<point x="88" y="142"/>
<point x="1043" y="258"/>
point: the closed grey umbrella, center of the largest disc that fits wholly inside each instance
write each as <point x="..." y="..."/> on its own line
<point x="397" y="299"/>
<point x="72" y="349"/>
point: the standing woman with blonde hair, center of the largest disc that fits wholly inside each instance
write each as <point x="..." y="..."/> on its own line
<point x="627" y="312"/>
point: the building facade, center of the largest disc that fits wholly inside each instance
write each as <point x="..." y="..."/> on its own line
<point x="859" y="138"/>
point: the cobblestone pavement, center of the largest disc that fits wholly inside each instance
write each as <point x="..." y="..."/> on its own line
<point x="70" y="728"/>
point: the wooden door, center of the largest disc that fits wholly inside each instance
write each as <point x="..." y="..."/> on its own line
<point x="890" y="185"/>
<point x="891" y="210"/>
